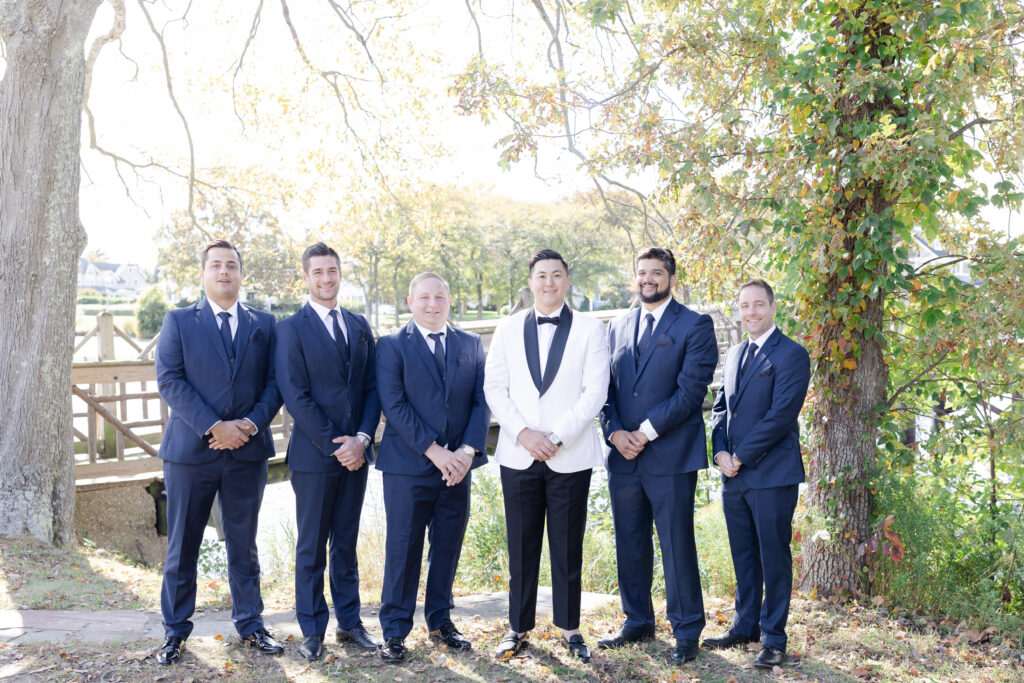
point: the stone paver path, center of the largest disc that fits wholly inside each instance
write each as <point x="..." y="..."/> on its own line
<point x="40" y="626"/>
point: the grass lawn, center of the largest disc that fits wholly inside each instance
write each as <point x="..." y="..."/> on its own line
<point x="828" y="642"/>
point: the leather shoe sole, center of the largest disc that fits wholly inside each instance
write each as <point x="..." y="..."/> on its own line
<point x="357" y="636"/>
<point x="623" y="638"/>
<point x="393" y="651"/>
<point x="170" y="652"/>
<point x="684" y="651"/>
<point x="511" y="645"/>
<point x="770" y="657"/>
<point x="728" y="639"/>
<point x="311" y="648"/>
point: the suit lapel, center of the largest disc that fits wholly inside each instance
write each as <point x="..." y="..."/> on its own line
<point x="532" y="352"/>
<point x="732" y="370"/>
<point x="757" y="364"/>
<point x="451" y="361"/>
<point x="209" y="323"/>
<point x="667" y="318"/>
<point x="557" y="348"/>
<point x="319" y="332"/>
<point x="356" y="350"/>
<point x="414" y="337"/>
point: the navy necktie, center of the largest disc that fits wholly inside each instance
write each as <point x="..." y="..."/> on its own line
<point x="225" y="335"/>
<point x="645" y="338"/>
<point x="748" y="359"/>
<point x="439" y="352"/>
<point x="339" y="336"/>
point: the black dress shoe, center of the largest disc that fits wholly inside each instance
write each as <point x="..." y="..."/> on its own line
<point x="358" y="636"/>
<point x="446" y="634"/>
<point x="769" y="657"/>
<point x="511" y="645"/>
<point x="171" y="650"/>
<point x="684" y="651"/>
<point x="625" y="636"/>
<point x="312" y="647"/>
<point x="728" y="639"/>
<point x="393" y="650"/>
<point x="262" y="641"/>
<point x="578" y="649"/>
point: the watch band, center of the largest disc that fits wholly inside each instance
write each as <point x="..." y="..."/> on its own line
<point x="469" y="450"/>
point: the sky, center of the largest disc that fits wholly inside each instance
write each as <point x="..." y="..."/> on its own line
<point x="134" y="116"/>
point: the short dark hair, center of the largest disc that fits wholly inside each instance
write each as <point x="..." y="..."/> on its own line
<point x="318" y="249"/>
<point x="547" y="255"/>
<point x="219" y="244"/>
<point x="663" y="255"/>
<point x="758" y="282"/>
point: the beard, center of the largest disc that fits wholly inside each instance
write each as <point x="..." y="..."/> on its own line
<point x="658" y="295"/>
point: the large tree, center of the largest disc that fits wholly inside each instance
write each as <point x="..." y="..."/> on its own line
<point x="810" y="142"/>
<point x="41" y="239"/>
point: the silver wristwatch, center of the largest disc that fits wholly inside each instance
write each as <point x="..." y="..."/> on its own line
<point x="469" y="450"/>
<point x="554" y="439"/>
<point x="363" y="440"/>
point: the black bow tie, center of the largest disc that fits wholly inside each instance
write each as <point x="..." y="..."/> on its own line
<point x="541" y="320"/>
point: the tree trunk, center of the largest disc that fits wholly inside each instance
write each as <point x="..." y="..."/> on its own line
<point x="480" y="297"/>
<point x="41" y="238"/>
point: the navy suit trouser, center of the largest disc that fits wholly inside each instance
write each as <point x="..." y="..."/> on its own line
<point x="413" y="503"/>
<point x="190" y="493"/>
<point x="760" y="524"/>
<point x="640" y="499"/>
<point x="327" y="510"/>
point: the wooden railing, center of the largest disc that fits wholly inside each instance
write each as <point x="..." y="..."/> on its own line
<point x="122" y="417"/>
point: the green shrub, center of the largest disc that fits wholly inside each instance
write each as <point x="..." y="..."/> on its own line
<point x="150" y="312"/>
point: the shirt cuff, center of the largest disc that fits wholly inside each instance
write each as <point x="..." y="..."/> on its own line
<point x="648" y="429"/>
<point x="368" y="437"/>
<point x="255" y="429"/>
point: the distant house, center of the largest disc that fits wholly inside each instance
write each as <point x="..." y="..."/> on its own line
<point x="924" y="253"/>
<point x="111" y="279"/>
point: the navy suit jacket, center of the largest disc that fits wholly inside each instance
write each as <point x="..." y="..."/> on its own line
<point x="195" y="379"/>
<point x="756" y="418"/>
<point x="666" y="385"/>
<point x="420" y="408"/>
<point x="322" y="399"/>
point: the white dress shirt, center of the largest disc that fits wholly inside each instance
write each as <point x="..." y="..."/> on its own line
<point x="646" y="427"/>
<point x="325" y="318"/>
<point x="430" y="342"/>
<point x="232" y="312"/>
<point x="545" y="333"/>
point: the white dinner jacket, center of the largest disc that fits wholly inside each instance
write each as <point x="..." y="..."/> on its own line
<point x="567" y="408"/>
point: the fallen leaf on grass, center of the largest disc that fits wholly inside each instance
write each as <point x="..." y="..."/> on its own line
<point x="138" y="656"/>
<point x="778" y="670"/>
<point x="218" y="637"/>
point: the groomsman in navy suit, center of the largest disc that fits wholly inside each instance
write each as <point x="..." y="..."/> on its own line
<point x="663" y="356"/>
<point x="214" y="368"/>
<point x="755" y="436"/>
<point x="430" y="377"/>
<point x="325" y="369"/>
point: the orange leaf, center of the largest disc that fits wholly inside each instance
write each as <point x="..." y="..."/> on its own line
<point x="850" y="363"/>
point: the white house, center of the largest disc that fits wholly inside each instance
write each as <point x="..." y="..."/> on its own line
<point x="112" y="279"/>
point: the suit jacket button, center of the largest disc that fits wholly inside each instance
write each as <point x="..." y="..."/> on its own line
<point x="447" y="406"/>
<point x="635" y="394"/>
<point x="348" y="414"/>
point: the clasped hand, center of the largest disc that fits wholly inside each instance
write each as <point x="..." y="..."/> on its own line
<point x="537" y="444"/>
<point x="629" y="444"/>
<point x="228" y="435"/>
<point x="728" y="464"/>
<point x="453" y="464"/>
<point x="351" y="453"/>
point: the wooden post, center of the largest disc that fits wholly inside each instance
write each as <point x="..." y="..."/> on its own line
<point x="105" y="326"/>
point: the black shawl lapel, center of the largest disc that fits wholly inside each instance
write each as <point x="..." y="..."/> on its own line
<point x="557" y="348"/>
<point x="209" y="323"/>
<point x="532" y="349"/>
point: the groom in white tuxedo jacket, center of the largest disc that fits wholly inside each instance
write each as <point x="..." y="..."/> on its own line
<point x="545" y="381"/>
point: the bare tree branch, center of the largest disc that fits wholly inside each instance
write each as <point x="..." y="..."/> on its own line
<point x="479" y="35"/>
<point x="181" y="115"/>
<point x="241" y="60"/>
<point x="980" y="121"/>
